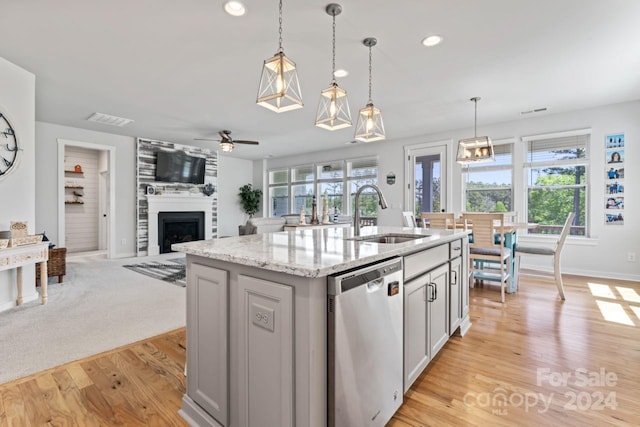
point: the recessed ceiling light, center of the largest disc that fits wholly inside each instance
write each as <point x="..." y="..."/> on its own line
<point x="341" y="73"/>
<point x="234" y="8"/>
<point x="432" y="40"/>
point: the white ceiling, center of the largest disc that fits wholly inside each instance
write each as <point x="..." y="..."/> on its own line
<point x="185" y="69"/>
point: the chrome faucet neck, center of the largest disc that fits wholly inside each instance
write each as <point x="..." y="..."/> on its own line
<point x="356" y="215"/>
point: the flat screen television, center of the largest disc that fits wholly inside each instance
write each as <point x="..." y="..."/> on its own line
<point x="179" y="167"/>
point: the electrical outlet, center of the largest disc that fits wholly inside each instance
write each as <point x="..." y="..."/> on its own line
<point x="631" y="256"/>
<point x="123" y="242"/>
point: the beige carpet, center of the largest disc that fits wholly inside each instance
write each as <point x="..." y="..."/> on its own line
<point x="99" y="306"/>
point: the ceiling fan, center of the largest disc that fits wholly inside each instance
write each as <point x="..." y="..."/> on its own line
<point x="227" y="143"/>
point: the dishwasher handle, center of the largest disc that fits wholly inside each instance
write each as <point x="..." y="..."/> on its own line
<point x="375" y="285"/>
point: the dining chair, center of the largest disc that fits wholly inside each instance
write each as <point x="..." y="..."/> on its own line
<point x="486" y="251"/>
<point x="437" y="219"/>
<point x="554" y="252"/>
<point x="408" y="219"/>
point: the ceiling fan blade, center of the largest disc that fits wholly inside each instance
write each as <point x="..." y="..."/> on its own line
<point x="205" y="139"/>
<point x="246" y="142"/>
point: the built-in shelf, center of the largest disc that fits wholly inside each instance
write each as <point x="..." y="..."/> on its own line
<point x="74" y="172"/>
<point x="73" y="186"/>
<point x="74" y="203"/>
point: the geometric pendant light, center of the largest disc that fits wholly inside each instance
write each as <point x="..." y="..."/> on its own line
<point x="369" y="127"/>
<point x="333" y="109"/>
<point x="477" y="149"/>
<point x="279" y="89"/>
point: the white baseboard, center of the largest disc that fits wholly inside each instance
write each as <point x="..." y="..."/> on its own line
<point x="25" y="299"/>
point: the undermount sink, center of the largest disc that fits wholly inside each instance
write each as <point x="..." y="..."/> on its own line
<point x="388" y="238"/>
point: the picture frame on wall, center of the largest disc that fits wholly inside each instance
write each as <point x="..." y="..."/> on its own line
<point x="614" y="179"/>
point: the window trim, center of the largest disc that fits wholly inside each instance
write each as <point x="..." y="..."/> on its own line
<point x="584" y="161"/>
<point x="484" y="167"/>
<point x="317" y="181"/>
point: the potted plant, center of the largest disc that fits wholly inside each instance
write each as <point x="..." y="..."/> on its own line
<point x="250" y="199"/>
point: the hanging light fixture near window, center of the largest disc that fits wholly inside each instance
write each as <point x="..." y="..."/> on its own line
<point x="279" y="86"/>
<point x="333" y="108"/>
<point x="476" y="149"/>
<point x="369" y="127"/>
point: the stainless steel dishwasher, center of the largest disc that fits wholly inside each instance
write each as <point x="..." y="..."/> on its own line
<point x="365" y="315"/>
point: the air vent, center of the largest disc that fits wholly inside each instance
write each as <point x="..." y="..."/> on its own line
<point x="537" y="110"/>
<point x="107" y="119"/>
<point x="330" y="305"/>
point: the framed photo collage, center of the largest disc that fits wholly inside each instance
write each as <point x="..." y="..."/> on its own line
<point x="614" y="180"/>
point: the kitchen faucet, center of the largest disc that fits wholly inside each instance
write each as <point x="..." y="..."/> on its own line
<point x="356" y="217"/>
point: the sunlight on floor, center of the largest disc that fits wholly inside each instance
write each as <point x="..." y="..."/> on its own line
<point x="602" y="291"/>
<point x="636" y="310"/>
<point x="613" y="312"/>
<point x="628" y="294"/>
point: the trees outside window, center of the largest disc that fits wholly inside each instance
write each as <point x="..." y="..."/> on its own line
<point x="557" y="182"/>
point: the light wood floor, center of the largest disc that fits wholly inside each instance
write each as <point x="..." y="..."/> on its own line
<point x="501" y="373"/>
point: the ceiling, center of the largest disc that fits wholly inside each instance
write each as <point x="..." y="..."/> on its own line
<point x="185" y="69"/>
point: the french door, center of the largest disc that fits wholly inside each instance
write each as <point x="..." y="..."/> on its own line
<point x="426" y="179"/>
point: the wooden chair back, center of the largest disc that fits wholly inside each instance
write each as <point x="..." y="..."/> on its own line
<point x="565" y="232"/>
<point x="485" y="226"/>
<point x="437" y="219"/>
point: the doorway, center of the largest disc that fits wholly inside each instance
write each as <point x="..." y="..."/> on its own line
<point x="426" y="178"/>
<point x="86" y="200"/>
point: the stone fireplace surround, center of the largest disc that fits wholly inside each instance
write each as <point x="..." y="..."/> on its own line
<point x="176" y="203"/>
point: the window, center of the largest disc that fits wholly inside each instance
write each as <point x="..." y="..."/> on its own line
<point x="327" y="179"/>
<point x="557" y="181"/>
<point x="302" y="188"/>
<point x="279" y="192"/>
<point x="489" y="186"/>
<point x="361" y="172"/>
<point x="331" y="184"/>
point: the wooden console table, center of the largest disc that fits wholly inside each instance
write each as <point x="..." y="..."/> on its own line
<point x="20" y="256"/>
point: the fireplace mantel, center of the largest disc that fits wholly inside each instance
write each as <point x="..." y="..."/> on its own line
<point x="176" y="203"/>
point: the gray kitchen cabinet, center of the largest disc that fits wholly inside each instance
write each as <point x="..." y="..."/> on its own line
<point x="438" y="309"/>
<point x="266" y="351"/>
<point x="208" y="341"/>
<point x="464" y="285"/>
<point x="455" y="294"/>
<point x="416" y="344"/>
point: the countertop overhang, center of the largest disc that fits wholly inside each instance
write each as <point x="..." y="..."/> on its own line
<point x="314" y="253"/>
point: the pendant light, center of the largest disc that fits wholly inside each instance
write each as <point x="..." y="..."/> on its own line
<point x="369" y="126"/>
<point x="477" y="149"/>
<point x="279" y="86"/>
<point x="333" y="108"/>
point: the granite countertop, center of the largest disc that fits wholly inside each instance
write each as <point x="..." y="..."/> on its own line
<point x="314" y="253"/>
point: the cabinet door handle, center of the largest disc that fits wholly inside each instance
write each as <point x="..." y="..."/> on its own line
<point x="456" y="249"/>
<point x="434" y="292"/>
<point x="455" y="277"/>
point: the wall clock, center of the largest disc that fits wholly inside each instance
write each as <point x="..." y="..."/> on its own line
<point x="8" y="146"/>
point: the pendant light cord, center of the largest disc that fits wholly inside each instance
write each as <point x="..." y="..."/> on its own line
<point x="475" y="119"/>
<point x="280" y="27"/>
<point x="333" y="63"/>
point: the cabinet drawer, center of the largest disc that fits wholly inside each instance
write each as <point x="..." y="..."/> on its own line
<point x="455" y="249"/>
<point x="420" y="262"/>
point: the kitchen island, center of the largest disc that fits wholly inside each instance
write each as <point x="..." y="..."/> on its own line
<point x="257" y="316"/>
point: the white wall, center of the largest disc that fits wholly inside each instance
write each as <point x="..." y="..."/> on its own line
<point x="604" y="254"/>
<point x="232" y="174"/>
<point x="46" y="190"/>
<point x="17" y="201"/>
